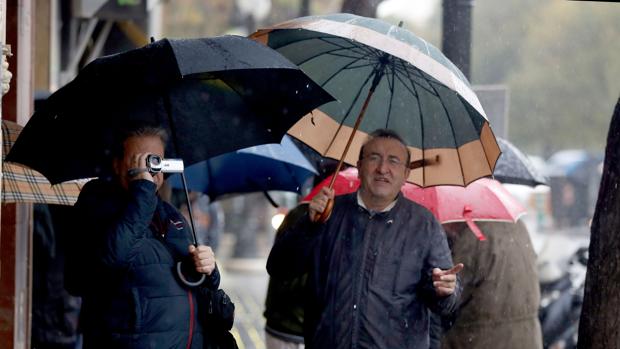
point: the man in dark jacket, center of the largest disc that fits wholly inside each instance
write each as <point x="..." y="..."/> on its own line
<point x="125" y="269"/>
<point x="284" y="304"/>
<point x="377" y="265"/>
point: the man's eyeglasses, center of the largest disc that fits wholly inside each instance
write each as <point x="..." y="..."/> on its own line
<point x="376" y="160"/>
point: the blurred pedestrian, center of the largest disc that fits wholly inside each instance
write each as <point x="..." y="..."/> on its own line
<point x="501" y="294"/>
<point x="54" y="311"/>
<point x="208" y="217"/>
<point x="127" y="242"/>
<point x="379" y="263"/>
<point x="284" y="305"/>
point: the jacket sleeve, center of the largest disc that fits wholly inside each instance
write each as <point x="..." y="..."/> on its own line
<point x="117" y="224"/>
<point x="296" y="241"/>
<point x="126" y="233"/>
<point x="439" y="256"/>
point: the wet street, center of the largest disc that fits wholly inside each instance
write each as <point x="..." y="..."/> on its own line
<point x="246" y="284"/>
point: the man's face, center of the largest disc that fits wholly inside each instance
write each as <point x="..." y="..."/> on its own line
<point x="134" y="146"/>
<point x="383" y="168"/>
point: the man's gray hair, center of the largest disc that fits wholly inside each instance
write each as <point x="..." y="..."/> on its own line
<point x="386" y="133"/>
<point x="140" y="131"/>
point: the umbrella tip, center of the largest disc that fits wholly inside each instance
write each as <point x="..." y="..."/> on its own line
<point x="152" y="39"/>
<point x="400" y="24"/>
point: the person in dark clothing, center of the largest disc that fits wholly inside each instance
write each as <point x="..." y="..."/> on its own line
<point x="377" y="266"/>
<point x="125" y="264"/>
<point x="54" y="311"/>
<point x="284" y="304"/>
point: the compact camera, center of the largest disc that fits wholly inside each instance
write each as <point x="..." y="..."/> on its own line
<point x="155" y="164"/>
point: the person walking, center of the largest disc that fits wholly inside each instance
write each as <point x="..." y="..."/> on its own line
<point x="501" y="294"/>
<point x="284" y="304"/>
<point x="127" y="242"/>
<point x="377" y="266"/>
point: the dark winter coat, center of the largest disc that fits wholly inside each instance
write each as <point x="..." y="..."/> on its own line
<point x="370" y="282"/>
<point x="124" y="269"/>
<point x="284" y="304"/>
<point x="54" y="311"/>
<point x="499" y="305"/>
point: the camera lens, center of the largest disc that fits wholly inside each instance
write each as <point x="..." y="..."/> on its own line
<point x="153" y="163"/>
<point x="153" y="160"/>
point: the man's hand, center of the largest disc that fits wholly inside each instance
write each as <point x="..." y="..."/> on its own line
<point x="444" y="281"/>
<point x="137" y="168"/>
<point x="204" y="258"/>
<point x="319" y="202"/>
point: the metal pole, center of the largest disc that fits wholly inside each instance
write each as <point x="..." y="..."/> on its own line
<point x="456" y="33"/>
<point x="189" y="209"/>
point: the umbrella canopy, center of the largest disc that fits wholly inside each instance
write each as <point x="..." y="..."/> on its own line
<point x="401" y="81"/>
<point x="577" y="164"/>
<point x="256" y="169"/>
<point x="213" y="95"/>
<point x="482" y="200"/>
<point x="514" y="167"/>
<point x="21" y="184"/>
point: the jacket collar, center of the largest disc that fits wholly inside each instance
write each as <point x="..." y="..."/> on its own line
<point x="363" y="205"/>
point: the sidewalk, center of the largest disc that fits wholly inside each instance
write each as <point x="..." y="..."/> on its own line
<point x="245" y="281"/>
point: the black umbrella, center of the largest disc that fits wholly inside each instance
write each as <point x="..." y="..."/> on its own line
<point x="213" y="95"/>
<point x="515" y="168"/>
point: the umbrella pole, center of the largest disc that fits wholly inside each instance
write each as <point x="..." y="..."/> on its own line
<point x="168" y="108"/>
<point x="324" y="216"/>
<point x="191" y="219"/>
<point x="189" y="210"/>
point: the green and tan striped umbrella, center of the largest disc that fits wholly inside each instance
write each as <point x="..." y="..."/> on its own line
<point x="22" y="184"/>
<point x="406" y="84"/>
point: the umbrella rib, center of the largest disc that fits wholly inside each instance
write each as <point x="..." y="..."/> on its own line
<point x="323" y="53"/>
<point x="331" y="52"/>
<point x="391" y="85"/>
<point x="346" y="115"/>
<point x="360" y="66"/>
<point x="363" y="49"/>
<point x="320" y="38"/>
<point x="340" y="70"/>
<point x="412" y="69"/>
<point x="458" y="154"/>
<point x="411" y="88"/>
<point x="422" y="147"/>
<point x="407" y="72"/>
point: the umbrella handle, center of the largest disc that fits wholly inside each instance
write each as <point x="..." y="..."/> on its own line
<point x="324" y="216"/>
<point x="187" y="282"/>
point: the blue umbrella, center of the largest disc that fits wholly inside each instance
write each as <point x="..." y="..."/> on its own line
<point x="256" y="169"/>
